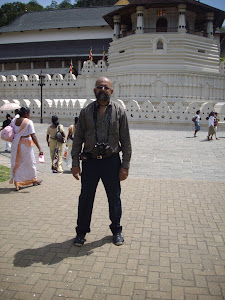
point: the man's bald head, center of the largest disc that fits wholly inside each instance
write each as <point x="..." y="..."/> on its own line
<point x="104" y="79"/>
<point x="103" y="90"/>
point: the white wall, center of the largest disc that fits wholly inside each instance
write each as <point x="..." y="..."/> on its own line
<point x="83" y="33"/>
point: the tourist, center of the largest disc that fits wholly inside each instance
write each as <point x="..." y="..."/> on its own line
<point x="4" y="124"/>
<point x="54" y="145"/>
<point x="196" y="120"/>
<point x="103" y="132"/>
<point x="216" y="121"/>
<point x="211" y="130"/>
<point x="71" y="131"/>
<point x="23" y="164"/>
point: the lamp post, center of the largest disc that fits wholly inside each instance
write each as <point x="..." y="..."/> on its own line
<point x="41" y="83"/>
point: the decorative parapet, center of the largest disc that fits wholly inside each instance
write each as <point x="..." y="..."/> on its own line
<point x="89" y="67"/>
<point x="101" y="66"/>
<point x="146" y="113"/>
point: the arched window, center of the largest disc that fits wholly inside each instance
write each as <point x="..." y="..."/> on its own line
<point x="161" y="25"/>
<point x="159" y="44"/>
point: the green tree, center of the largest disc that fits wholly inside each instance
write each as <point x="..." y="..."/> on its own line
<point x="222" y="28"/>
<point x="53" y="5"/>
<point x="10" y="11"/>
<point x="34" y="6"/>
<point x="65" y="4"/>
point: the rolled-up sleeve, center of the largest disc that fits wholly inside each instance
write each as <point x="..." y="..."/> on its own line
<point x="125" y="141"/>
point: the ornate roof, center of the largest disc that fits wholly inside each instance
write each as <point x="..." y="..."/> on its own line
<point x="192" y="5"/>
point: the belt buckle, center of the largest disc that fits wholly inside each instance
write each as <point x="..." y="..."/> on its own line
<point x="99" y="157"/>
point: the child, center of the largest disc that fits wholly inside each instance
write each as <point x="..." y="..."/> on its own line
<point x="196" y="120"/>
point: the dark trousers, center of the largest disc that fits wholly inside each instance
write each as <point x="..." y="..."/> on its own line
<point x="92" y="171"/>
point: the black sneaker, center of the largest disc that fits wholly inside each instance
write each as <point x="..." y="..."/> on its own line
<point x="118" y="239"/>
<point x="79" y="240"/>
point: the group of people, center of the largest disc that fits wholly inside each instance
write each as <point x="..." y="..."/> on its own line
<point x="22" y="158"/>
<point x="96" y="139"/>
<point x="213" y="123"/>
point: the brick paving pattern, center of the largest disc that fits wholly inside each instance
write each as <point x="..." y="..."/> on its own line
<point x="173" y="223"/>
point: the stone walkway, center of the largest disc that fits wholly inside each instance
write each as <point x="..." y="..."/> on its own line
<point x="173" y="224"/>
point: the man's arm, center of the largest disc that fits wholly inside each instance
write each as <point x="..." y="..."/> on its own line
<point x="125" y="146"/>
<point x="77" y="145"/>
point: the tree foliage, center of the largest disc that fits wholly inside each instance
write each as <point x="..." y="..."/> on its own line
<point x="54" y="5"/>
<point x="65" y="4"/>
<point x="34" y="6"/>
<point x="10" y="11"/>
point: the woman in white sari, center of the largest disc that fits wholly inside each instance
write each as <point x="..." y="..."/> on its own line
<point x="23" y="164"/>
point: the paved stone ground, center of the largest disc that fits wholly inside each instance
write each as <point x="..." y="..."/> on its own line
<point x="173" y="223"/>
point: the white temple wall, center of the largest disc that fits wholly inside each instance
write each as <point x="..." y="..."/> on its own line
<point x="163" y="97"/>
<point x="187" y="53"/>
<point x="171" y="88"/>
<point x="138" y="115"/>
<point x="83" y="33"/>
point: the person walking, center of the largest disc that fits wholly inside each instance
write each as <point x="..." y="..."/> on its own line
<point x="71" y="131"/>
<point x="23" y="164"/>
<point x="4" y="124"/>
<point x="211" y="130"/>
<point x="54" y="145"/>
<point x="216" y="121"/>
<point x="196" y="120"/>
<point x="103" y="132"/>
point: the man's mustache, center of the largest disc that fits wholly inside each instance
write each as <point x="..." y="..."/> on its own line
<point x="103" y="96"/>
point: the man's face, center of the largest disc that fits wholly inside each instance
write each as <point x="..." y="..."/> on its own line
<point x="103" y="91"/>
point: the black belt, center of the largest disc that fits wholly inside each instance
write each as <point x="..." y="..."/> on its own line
<point x="100" y="156"/>
<point x="86" y="156"/>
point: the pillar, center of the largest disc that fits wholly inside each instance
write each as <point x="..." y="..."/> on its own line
<point x="182" y="18"/>
<point x="116" y="21"/>
<point x="210" y="17"/>
<point x="140" y="20"/>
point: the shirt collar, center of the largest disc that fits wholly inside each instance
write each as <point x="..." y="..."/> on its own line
<point x="109" y="104"/>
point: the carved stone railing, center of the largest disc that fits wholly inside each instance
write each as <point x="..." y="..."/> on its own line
<point x="147" y="113"/>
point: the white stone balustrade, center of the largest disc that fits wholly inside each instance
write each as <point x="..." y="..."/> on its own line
<point x="147" y="113"/>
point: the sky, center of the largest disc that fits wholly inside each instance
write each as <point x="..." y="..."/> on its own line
<point x="215" y="3"/>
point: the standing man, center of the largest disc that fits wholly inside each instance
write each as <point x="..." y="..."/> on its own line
<point x="103" y="132"/>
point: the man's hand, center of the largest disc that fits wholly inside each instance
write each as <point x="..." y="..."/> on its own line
<point x="123" y="174"/>
<point x="76" y="172"/>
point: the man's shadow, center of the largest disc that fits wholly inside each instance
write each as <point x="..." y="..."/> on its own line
<point x="54" y="253"/>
